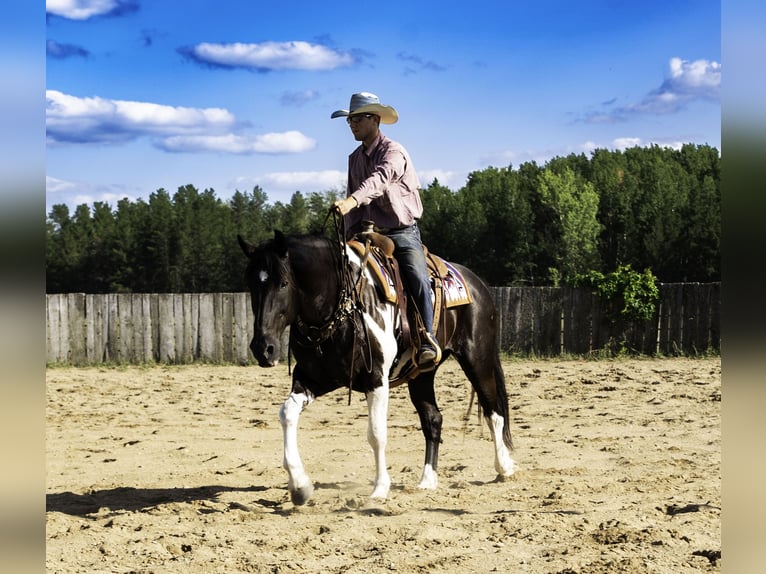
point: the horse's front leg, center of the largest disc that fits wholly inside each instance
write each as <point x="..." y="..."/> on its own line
<point x="377" y="436"/>
<point x="298" y="483"/>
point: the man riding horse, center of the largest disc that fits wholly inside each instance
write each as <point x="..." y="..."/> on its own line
<point x="383" y="188"/>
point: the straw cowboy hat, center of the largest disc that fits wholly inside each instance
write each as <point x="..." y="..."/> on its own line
<point x="367" y="103"/>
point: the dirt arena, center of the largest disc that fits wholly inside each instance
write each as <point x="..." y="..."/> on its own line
<point x="178" y="469"/>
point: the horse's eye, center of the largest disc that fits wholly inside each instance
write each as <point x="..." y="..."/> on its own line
<point x="282" y="284"/>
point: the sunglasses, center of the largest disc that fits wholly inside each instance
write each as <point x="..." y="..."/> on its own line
<point x="356" y="119"/>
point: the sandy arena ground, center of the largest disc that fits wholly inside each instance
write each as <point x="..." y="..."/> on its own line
<point x="178" y="469"/>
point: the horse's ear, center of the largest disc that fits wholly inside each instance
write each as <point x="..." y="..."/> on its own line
<point x="246" y="247"/>
<point x="280" y="243"/>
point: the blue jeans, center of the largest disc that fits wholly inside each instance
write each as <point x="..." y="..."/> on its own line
<point x="412" y="265"/>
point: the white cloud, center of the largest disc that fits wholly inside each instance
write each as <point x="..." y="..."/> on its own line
<point x="84" y="9"/>
<point x="298" y="97"/>
<point x="625" y="143"/>
<point x="451" y="179"/>
<point x="55" y="185"/>
<point x="84" y="120"/>
<point x="291" y="181"/>
<point x="685" y="82"/>
<point x="272" y="143"/>
<point x="628" y="142"/>
<point x="296" y="55"/>
<point x="74" y="193"/>
<point x="71" y="119"/>
<point x="700" y="77"/>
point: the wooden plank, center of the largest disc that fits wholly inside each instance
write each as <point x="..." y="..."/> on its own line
<point x="552" y="320"/>
<point x="581" y="325"/>
<point x="662" y="321"/>
<point x="195" y="304"/>
<point x="650" y="334"/>
<point x="241" y="329"/>
<point x="167" y="340"/>
<point x="689" y="326"/>
<point x="602" y="331"/>
<point x="512" y="319"/>
<point x="218" y="327"/>
<point x="183" y="327"/>
<point x="64" y="330"/>
<point x="138" y="321"/>
<point x="154" y="314"/>
<point x="146" y="310"/>
<point x="206" y="326"/>
<point x="676" y="324"/>
<point x="499" y="296"/>
<point x="227" y="327"/>
<point x="145" y="346"/>
<point x="529" y="327"/>
<point x="715" y="319"/>
<point x="704" y="318"/>
<point x="53" y="336"/>
<point x="126" y="342"/>
<point x="90" y="330"/>
<point x="97" y="325"/>
<point x="189" y="344"/>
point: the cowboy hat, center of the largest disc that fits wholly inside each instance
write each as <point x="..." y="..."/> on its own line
<point x="367" y="103"/>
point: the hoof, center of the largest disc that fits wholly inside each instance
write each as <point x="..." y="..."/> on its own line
<point x="504" y="477"/>
<point x="380" y="493"/>
<point x="429" y="480"/>
<point x="300" y="496"/>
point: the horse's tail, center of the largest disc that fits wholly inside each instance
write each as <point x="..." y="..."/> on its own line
<point x="502" y="402"/>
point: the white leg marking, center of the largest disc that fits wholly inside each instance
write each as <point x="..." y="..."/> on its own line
<point x="377" y="399"/>
<point x="429" y="479"/>
<point x="298" y="483"/>
<point x="377" y="436"/>
<point x="504" y="464"/>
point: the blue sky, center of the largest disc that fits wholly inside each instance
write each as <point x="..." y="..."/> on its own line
<point x="228" y="95"/>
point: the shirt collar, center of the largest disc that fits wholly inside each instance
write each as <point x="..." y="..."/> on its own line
<point x="368" y="150"/>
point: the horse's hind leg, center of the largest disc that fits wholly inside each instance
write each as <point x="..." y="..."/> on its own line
<point x="488" y="380"/>
<point x="422" y="396"/>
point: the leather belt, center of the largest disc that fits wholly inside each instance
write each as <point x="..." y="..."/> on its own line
<point x="387" y="230"/>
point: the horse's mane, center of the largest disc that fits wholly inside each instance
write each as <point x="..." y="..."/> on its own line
<point x="302" y="247"/>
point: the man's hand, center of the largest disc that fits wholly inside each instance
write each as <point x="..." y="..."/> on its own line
<point x="345" y="205"/>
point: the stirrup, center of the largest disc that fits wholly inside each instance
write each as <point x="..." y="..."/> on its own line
<point x="430" y="345"/>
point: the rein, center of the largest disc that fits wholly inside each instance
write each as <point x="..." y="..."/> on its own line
<point x="348" y="304"/>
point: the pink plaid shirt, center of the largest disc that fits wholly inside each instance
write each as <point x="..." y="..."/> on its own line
<point x="383" y="181"/>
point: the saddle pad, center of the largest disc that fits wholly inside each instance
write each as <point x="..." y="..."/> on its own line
<point x="455" y="288"/>
<point x="382" y="278"/>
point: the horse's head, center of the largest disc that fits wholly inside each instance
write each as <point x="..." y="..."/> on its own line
<point x="270" y="282"/>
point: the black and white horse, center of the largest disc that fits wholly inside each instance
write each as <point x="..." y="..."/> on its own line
<point x="342" y="342"/>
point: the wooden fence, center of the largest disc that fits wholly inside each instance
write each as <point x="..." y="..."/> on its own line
<point x="141" y="328"/>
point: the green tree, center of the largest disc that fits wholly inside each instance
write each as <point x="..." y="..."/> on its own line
<point x="575" y="205"/>
<point x="60" y="255"/>
<point x="296" y="215"/>
<point x="159" y="245"/>
<point x="439" y="228"/>
<point x="100" y="263"/>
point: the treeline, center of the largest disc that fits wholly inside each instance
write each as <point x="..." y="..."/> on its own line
<point x="646" y="207"/>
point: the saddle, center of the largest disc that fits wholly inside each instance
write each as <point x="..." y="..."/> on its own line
<point x="449" y="288"/>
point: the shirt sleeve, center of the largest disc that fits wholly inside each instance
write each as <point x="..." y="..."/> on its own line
<point x="389" y="169"/>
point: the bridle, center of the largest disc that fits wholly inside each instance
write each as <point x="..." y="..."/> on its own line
<point x="349" y="305"/>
